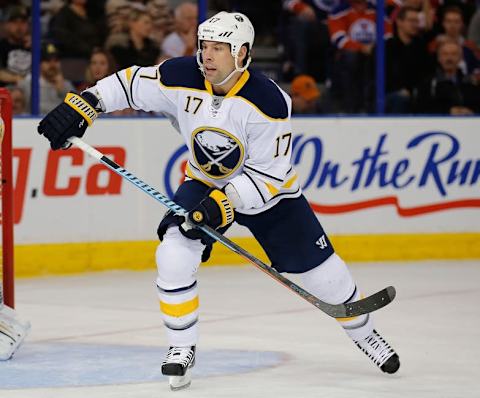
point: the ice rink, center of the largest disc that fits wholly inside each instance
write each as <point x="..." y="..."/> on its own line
<point x="100" y="335"/>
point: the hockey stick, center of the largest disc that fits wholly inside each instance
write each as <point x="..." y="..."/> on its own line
<point x="363" y="306"/>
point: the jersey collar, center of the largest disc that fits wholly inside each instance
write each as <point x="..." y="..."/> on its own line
<point x="235" y="89"/>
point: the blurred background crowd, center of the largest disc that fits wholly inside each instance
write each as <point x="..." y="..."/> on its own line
<point x="320" y="51"/>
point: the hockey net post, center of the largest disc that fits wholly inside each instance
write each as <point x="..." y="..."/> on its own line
<point x="6" y="197"/>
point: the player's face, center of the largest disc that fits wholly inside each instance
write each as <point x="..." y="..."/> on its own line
<point x="218" y="61"/>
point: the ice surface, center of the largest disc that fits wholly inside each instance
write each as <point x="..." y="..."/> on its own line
<point x="100" y="335"/>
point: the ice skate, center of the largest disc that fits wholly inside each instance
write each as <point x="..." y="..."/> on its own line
<point x="380" y="352"/>
<point x="177" y="366"/>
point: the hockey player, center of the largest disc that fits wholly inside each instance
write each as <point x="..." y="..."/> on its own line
<point x="236" y="125"/>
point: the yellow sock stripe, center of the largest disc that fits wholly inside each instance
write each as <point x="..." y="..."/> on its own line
<point x="81" y="106"/>
<point x="225" y="206"/>
<point x="181" y="309"/>
<point x="347" y="319"/>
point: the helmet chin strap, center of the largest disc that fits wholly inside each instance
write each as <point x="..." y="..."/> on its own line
<point x="237" y="68"/>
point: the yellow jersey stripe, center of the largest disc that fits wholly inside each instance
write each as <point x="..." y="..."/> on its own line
<point x="208" y="86"/>
<point x="272" y="189"/>
<point x="290" y="182"/>
<point x="128" y="73"/>
<point x="178" y="310"/>
<point x="239" y="84"/>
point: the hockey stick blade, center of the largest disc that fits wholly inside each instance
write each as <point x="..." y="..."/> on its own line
<point x="360" y="307"/>
<point x="370" y="303"/>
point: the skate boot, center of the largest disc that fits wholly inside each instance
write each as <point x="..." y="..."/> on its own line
<point x="380" y="352"/>
<point x="177" y="366"/>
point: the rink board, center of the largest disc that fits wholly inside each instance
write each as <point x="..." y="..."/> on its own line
<point x="383" y="188"/>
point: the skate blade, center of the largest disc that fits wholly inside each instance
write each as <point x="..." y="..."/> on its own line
<point x="180" y="382"/>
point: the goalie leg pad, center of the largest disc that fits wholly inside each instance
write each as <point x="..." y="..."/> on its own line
<point x="12" y="332"/>
<point x="333" y="283"/>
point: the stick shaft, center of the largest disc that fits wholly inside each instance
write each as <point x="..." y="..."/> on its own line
<point x="336" y="311"/>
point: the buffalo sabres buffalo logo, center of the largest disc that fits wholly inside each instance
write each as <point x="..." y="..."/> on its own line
<point x="217" y="152"/>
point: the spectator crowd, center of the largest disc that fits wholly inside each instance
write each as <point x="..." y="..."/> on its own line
<point x="326" y="49"/>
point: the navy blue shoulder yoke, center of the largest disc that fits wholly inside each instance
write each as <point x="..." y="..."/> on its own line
<point x="265" y="95"/>
<point x="181" y="72"/>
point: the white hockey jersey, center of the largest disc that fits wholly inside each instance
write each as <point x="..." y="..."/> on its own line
<point x="243" y="138"/>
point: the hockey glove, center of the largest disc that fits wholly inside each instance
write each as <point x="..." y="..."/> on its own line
<point x="70" y="118"/>
<point x="215" y="210"/>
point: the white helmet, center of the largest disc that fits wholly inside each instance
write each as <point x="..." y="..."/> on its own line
<point x="233" y="28"/>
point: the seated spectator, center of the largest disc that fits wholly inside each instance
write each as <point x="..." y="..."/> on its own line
<point x="117" y="12"/>
<point x="306" y="38"/>
<point x="183" y="41"/>
<point x="72" y="31"/>
<point x="474" y="29"/>
<point x="258" y="14"/>
<point x="467" y="7"/>
<point x="101" y="65"/>
<point x="48" y="9"/>
<point x="163" y="22"/>
<point x="137" y="48"/>
<point x="352" y="30"/>
<point x="426" y="13"/>
<point x="453" y="27"/>
<point x="449" y="90"/>
<point x="407" y="61"/>
<point x="15" y="54"/>
<point x="53" y="86"/>
<point x="19" y="102"/>
<point x="305" y="95"/>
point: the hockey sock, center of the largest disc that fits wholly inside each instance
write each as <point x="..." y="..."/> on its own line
<point x="332" y="282"/>
<point x="178" y="259"/>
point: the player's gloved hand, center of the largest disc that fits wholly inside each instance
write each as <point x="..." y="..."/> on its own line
<point x="70" y="118"/>
<point x="215" y="210"/>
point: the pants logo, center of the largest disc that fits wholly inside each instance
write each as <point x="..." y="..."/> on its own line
<point x="322" y="242"/>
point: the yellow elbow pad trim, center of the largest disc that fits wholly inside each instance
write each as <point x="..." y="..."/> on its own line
<point x="82" y="107"/>
<point x="224" y="205"/>
<point x="181" y="309"/>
